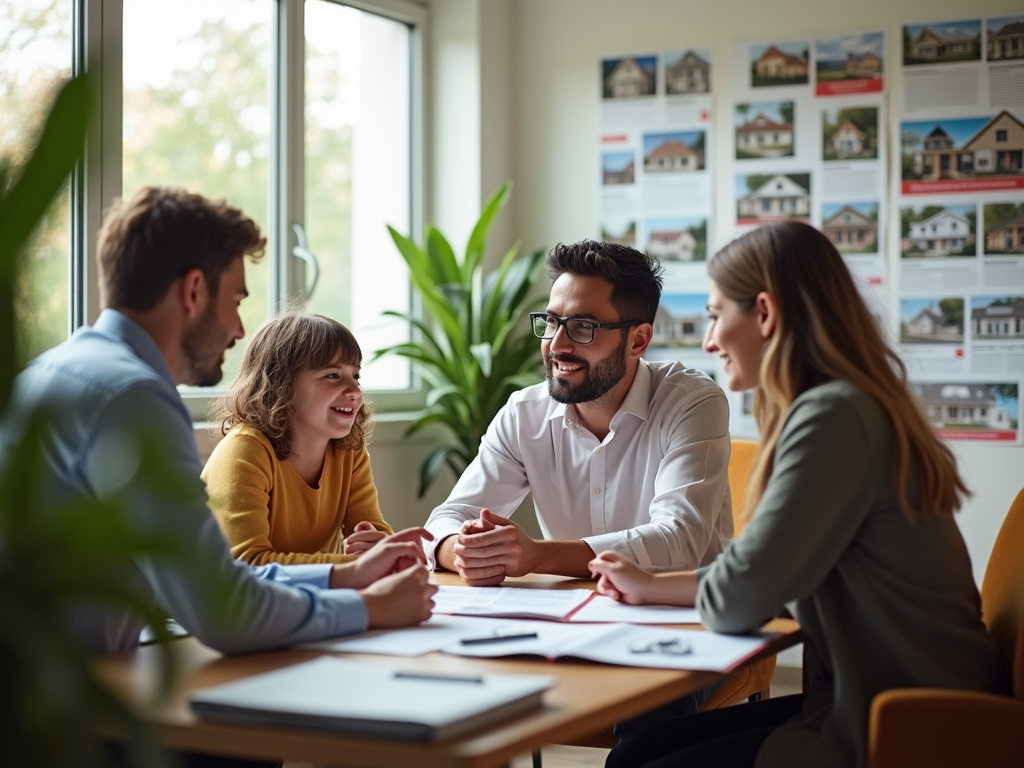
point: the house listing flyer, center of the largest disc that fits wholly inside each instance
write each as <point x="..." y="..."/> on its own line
<point x="655" y="183"/>
<point x="809" y="143"/>
<point x="960" y="205"/>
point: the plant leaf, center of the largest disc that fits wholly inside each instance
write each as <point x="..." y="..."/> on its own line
<point x="478" y="239"/>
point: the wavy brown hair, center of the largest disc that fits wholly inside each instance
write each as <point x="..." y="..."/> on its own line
<point x="263" y="395"/>
<point x="824" y="332"/>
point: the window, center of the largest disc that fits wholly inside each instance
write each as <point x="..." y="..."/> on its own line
<point x="304" y="113"/>
<point x="35" y="55"/>
<point x="1002" y="135"/>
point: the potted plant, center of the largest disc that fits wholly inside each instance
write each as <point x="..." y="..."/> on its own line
<point x="472" y="349"/>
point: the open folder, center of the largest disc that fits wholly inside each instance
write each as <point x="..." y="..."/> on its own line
<point x="343" y="696"/>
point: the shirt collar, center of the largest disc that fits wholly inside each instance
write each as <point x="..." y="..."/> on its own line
<point x="113" y="323"/>
<point x="637" y="402"/>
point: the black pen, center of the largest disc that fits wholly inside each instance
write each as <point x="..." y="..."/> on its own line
<point x="497" y="638"/>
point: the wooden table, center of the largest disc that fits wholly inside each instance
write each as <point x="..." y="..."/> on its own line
<point x="586" y="696"/>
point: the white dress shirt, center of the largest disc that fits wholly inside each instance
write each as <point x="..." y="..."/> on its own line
<point x="656" y="489"/>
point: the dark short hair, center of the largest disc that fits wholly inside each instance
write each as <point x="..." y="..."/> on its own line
<point x="636" y="277"/>
<point x="153" y="238"/>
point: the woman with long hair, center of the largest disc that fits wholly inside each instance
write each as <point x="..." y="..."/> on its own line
<point x="849" y="520"/>
<point x="290" y="482"/>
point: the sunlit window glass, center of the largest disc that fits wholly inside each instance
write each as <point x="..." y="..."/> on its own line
<point x="357" y="176"/>
<point x="35" y="58"/>
<point x="197" y="113"/>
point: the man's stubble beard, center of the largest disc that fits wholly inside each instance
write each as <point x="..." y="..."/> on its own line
<point x="600" y="378"/>
<point x="203" y="348"/>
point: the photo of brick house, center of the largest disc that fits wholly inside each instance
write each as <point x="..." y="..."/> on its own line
<point x="997" y="317"/>
<point x="1004" y="39"/>
<point x="769" y="133"/>
<point x="1004" y="228"/>
<point x="689" y="73"/>
<point x="932" y="321"/>
<point x="851" y="228"/>
<point x="962" y="406"/>
<point x="781" y="64"/>
<point x="956" y="41"/>
<point x="629" y="76"/>
<point x="947" y="232"/>
<point x="682" y="151"/>
<point x="778" y="197"/>
<point x="994" y="148"/>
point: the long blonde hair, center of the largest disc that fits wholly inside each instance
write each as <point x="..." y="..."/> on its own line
<point x="263" y="395"/>
<point x="824" y="332"/>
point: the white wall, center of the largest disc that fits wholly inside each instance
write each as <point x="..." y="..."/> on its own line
<point x="558" y="44"/>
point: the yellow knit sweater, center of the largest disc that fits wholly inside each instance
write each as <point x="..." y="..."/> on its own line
<point x="270" y="515"/>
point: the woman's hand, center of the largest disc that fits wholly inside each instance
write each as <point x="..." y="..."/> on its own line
<point x="622" y="580"/>
<point x="363" y="536"/>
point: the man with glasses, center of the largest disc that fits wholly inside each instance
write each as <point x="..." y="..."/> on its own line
<point x="619" y="453"/>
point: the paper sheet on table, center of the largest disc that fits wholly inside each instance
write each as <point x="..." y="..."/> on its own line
<point x="617" y="644"/>
<point x="431" y="635"/>
<point x="555" y="604"/>
<point x="605" y="610"/>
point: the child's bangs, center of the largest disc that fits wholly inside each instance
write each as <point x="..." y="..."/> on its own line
<point x="333" y="344"/>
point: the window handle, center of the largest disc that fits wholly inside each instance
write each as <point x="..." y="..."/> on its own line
<point x="301" y="251"/>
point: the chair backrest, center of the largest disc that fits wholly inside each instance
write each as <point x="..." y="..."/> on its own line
<point x="740" y="464"/>
<point x="1002" y="593"/>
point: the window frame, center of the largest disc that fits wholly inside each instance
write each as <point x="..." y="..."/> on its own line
<point x="97" y="47"/>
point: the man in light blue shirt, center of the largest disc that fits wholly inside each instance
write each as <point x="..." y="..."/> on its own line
<point x="172" y="277"/>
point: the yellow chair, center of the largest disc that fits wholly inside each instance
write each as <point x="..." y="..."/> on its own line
<point x="939" y="727"/>
<point x="751" y="683"/>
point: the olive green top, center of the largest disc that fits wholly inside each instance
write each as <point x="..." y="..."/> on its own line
<point x="883" y="603"/>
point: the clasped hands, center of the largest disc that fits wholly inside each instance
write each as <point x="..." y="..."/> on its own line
<point x="491" y="547"/>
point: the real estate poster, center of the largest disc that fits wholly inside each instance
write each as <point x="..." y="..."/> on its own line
<point x="809" y="143"/>
<point x="959" y="200"/>
<point x="655" y="182"/>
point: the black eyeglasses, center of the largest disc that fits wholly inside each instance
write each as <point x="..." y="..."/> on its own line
<point x="545" y="326"/>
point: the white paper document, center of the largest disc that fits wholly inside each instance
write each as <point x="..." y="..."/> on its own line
<point x="623" y="644"/>
<point x="431" y="635"/>
<point x="512" y="602"/>
<point x="601" y="609"/>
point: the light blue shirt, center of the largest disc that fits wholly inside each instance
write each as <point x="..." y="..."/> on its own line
<point x="102" y="384"/>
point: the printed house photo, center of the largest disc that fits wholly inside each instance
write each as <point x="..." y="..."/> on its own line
<point x="623" y="233"/>
<point x="849" y="64"/>
<point x="680" y="320"/>
<point x="851" y="227"/>
<point x="997" y="317"/>
<point x="850" y="133"/>
<point x="677" y="239"/>
<point x="688" y="72"/>
<point x="937" y="231"/>
<point x="1004" y="228"/>
<point x="1004" y="38"/>
<point x="932" y="321"/>
<point x="779" y="64"/>
<point x="617" y="167"/>
<point x="680" y="151"/>
<point x="629" y="76"/>
<point x="963" y="411"/>
<point x="938" y="43"/>
<point x="765" y="197"/>
<point x="764" y="129"/>
<point x="967" y="148"/>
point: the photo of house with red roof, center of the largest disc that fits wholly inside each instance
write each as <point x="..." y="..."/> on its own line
<point x="679" y="151"/>
<point x="764" y="129"/>
<point x="779" y="64"/>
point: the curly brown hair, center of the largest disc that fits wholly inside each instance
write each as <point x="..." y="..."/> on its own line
<point x="263" y="395"/>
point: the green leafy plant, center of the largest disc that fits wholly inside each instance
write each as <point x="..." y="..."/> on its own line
<point x="474" y="351"/>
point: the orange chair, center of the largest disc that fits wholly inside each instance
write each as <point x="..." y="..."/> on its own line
<point x="939" y="727"/>
<point x="751" y="683"/>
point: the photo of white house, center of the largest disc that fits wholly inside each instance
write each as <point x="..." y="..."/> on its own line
<point x="629" y="76"/>
<point x="932" y="320"/>
<point x="680" y="320"/>
<point x="679" y="151"/>
<point x="933" y="231"/>
<point x="676" y="238"/>
<point x="997" y="317"/>
<point x="849" y="133"/>
<point x="688" y="72"/>
<point x="961" y="411"/>
<point x="763" y="198"/>
<point x="764" y="129"/>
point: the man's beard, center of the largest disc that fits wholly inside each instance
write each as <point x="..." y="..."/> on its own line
<point x="203" y="347"/>
<point x="604" y="375"/>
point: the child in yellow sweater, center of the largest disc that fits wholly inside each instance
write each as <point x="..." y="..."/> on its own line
<point x="290" y="482"/>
